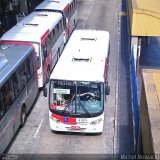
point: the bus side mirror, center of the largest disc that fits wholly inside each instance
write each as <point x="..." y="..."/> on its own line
<point x="107" y="90"/>
<point x="44" y="91"/>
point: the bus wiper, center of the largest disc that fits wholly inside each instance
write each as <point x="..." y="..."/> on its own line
<point x="75" y="114"/>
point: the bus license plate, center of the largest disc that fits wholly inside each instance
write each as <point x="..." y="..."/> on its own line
<point x="81" y="120"/>
<point x="75" y="127"/>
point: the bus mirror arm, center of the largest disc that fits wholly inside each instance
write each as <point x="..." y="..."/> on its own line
<point x="107" y="90"/>
<point x="45" y="91"/>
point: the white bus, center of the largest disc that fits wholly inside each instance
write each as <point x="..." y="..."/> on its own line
<point x="78" y="84"/>
<point x="69" y="10"/>
<point x="45" y="31"/>
<point x="18" y="88"/>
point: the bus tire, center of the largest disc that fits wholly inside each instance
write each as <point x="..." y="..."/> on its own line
<point x="23" y="116"/>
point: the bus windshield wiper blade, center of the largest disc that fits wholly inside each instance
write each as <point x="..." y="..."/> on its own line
<point x="75" y="114"/>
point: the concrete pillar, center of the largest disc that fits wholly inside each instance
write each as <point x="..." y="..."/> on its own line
<point x="134" y="41"/>
<point x="138" y="53"/>
<point x="136" y="44"/>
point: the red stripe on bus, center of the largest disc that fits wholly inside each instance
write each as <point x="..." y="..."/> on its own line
<point x="65" y="8"/>
<point x="44" y="35"/>
<point x="61" y="118"/>
<point x="17" y="42"/>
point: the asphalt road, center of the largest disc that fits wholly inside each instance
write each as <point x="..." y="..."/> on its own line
<point x="36" y="138"/>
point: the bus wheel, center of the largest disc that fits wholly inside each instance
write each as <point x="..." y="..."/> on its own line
<point x="23" y="116"/>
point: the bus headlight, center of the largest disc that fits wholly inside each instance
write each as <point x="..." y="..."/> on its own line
<point x="96" y="121"/>
<point x="55" y="120"/>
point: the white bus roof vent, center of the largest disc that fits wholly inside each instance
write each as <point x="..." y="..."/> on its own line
<point x="31" y="24"/>
<point x="88" y="38"/>
<point x="42" y="15"/>
<point x="81" y="58"/>
<point x="56" y="1"/>
<point x="75" y="59"/>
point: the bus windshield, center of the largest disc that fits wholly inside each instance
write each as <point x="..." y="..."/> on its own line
<point x="76" y="99"/>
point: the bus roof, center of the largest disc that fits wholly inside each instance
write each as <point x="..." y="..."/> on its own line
<point x="11" y="56"/>
<point x="84" y="57"/>
<point x="57" y="5"/>
<point x="33" y="27"/>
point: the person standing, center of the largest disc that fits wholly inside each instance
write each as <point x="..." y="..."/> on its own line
<point x="9" y="7"/>
<point x="6" y="23"/>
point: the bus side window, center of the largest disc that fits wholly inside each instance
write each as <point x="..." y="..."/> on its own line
<point x="23" y="75"/>
<point x="74" y="5"/>
<point x="7" y="95"/>
<point x="58" y="31"/>
<point x="48" y="44"/>
<point x="1" y="106"/>
<point x="52" y="39"/>
<point x="44" y="50"/>
<point x="67" y="14"/>
<point x="30" y="67"/>
<point x="64" y="21"/>
<point x="70" y="11"/>
<point x="61" y="26"/>
<point x="16" y="84"/>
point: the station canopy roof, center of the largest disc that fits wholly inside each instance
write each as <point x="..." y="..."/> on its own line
<point x="144" y="17"/>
